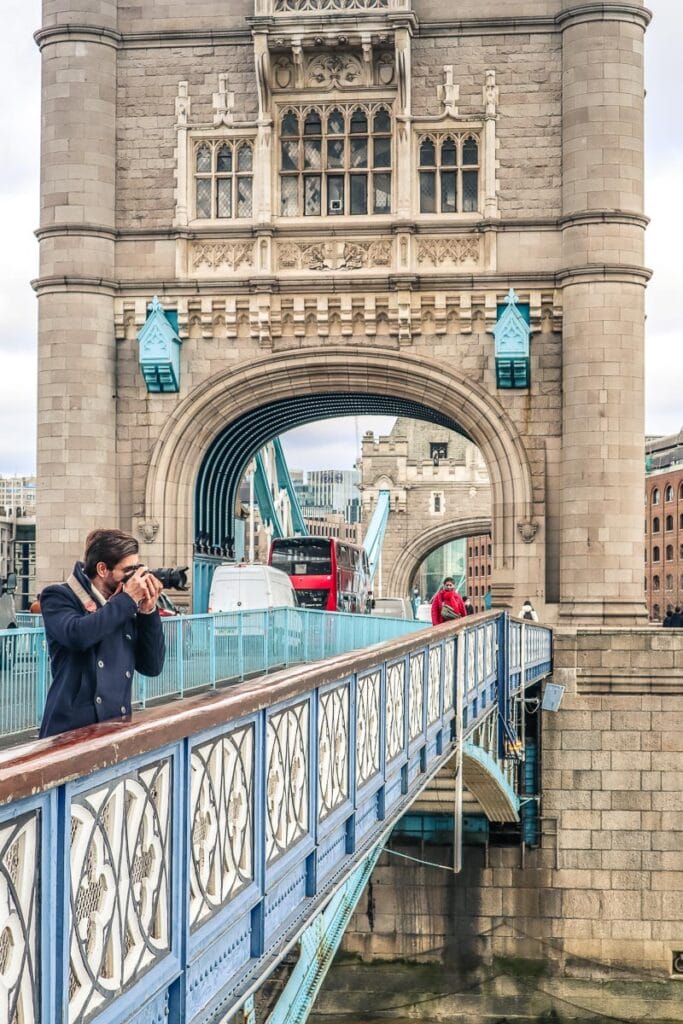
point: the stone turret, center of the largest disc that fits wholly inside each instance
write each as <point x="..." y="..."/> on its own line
<point x="76" y="358"/>
<point x="603" y="284"/>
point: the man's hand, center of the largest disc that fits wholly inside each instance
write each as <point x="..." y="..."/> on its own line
<point x="144" y="588"/>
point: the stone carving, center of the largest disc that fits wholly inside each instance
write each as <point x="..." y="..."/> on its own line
<point x="287" y="6"/>
<point x="333" y="71"/>
<point x="527" y="530"/>
<point x="437" y="251"/>
<point x="491" y="94"/>
<point x="283" y="71"/>
<point x="222" y="255"/>
<point x="223" y="103"/>
<point x="385" y="69"/>
<point x="333" y="255"/>
<point x="182" y="105"/>
<point x="449" y="92"/>
<point x="148" y="530"/>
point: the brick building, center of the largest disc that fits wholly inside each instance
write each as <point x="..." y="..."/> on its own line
<point x="664" y="525"/>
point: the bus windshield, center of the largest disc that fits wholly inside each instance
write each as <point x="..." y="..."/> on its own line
<point x="305" y="557"/>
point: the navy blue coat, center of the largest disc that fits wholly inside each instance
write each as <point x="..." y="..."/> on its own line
<point x="93" y="656"/>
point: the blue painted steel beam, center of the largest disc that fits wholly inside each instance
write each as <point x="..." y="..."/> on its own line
<point x="284" y="479"/>
<point x="318" y="945"/>
<point x="264" y="498"/>
<point x="374" y="535"/>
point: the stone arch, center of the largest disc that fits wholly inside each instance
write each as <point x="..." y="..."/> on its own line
<point x="236" y="391"/>
<point x="415" y="552"/>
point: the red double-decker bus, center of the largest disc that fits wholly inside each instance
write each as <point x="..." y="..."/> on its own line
<point x="326" y="573"/>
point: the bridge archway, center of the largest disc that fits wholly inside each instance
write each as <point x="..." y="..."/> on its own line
<point x="279" y="382"/>
<point x="415" y="552"/>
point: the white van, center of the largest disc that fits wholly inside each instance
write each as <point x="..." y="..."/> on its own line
<point x="249" y="587"/>
<point x="393" y="607"/>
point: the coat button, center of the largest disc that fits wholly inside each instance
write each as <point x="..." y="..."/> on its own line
<point x="98" y="700"/>
<point x="128" y="636"/>
<point x="100" y="664"/>
<point x="127" y="675"/>
<point x="123" y="710"/>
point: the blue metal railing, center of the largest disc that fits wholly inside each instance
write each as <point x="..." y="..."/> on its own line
<point x="202" y="651"/>
<point x="161" y="868"/>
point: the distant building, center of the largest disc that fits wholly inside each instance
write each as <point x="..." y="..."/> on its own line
<point x="17" y="495"/>
<point x="322" y="492"/>
<point x="663" y="524"/>
<point x="479" y="563"/>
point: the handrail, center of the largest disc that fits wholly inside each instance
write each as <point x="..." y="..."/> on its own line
<point x="203" y="652"/>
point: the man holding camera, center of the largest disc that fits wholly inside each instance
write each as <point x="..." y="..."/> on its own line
<point x="101" y="626"/>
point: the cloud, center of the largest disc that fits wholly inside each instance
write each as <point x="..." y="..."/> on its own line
<point x="331" y="444"/>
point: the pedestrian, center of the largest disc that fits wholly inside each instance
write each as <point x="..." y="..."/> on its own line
<point x="469" y="607"/>
<point x="35" y="606"/>
<point x="527" y="612"/>
<point x="668" y="619"/>
<point x="415" y="600"/>
<point x="677" y="618"/>
<point x="101" y="626"/>
<point x="447" y="603"/>
<point x="488" y="600"/>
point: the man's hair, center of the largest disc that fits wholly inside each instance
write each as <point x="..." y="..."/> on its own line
<point x="108" y="546"/>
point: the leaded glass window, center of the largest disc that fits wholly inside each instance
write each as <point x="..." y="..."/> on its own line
<point x="223" y="172"/>
<point x="448" y="174"/>
<point x="335" y="161"/>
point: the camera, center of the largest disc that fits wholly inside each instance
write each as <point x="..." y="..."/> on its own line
<point x="170" y="579"/>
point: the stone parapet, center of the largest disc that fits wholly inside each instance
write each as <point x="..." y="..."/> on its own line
<point x="609" y="660"/>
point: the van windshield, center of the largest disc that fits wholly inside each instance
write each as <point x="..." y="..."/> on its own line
<point x="305" y="557"/>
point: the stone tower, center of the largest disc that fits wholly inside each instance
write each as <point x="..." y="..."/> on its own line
<point x="334" y="202"/>
<point x="439" y="491"/>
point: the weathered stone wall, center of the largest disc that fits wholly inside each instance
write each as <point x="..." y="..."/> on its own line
<point x="605" y="889"/>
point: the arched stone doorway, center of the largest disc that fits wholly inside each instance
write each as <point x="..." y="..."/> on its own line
<point x="236" y="392"/>
<point x="421" y="547"/>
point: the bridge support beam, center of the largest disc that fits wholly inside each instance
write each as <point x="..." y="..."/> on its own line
<point x="318" y="945"/>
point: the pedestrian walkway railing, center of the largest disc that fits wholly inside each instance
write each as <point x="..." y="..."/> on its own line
<point x="158" y="869"/>
<point x="203" y="651"/>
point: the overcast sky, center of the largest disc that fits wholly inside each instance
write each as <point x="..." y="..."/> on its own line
<point x="329" y="444"/>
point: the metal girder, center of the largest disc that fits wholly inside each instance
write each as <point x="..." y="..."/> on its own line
<point x="285" y="482"/>
<point x="318" y="944"/>
<point x="374" y="535"/>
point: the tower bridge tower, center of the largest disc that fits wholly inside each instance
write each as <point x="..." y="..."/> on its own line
<point x="331" y="201"/>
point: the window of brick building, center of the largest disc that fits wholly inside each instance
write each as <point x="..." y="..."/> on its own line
<point x="669" y="493"/>
<point x="223" y="180"/>
<point x="655" y="496"/>
<point x="655" y="582"/>
<point x="669" y="523"/>
<point x="655" y="554"/>
<point x="655" y="524"/>
<point x="669" y="552"/>
<point x="669" y="582"/>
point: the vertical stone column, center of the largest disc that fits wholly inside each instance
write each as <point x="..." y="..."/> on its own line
<point x="77" y="473"/>
<point x="603" y="283"/>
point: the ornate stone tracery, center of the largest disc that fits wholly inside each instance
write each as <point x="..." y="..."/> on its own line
<point x="337" y="6"/>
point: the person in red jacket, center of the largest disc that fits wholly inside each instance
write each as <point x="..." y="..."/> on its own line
<point x="447" y="597"/>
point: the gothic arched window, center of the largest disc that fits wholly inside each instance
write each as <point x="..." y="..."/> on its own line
<point x="223" y="179"/>
<point x="335" y="161"/>
<point x="448" y="173"/>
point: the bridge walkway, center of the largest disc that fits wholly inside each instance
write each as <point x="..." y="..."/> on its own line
<point x="162" y="868"/>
